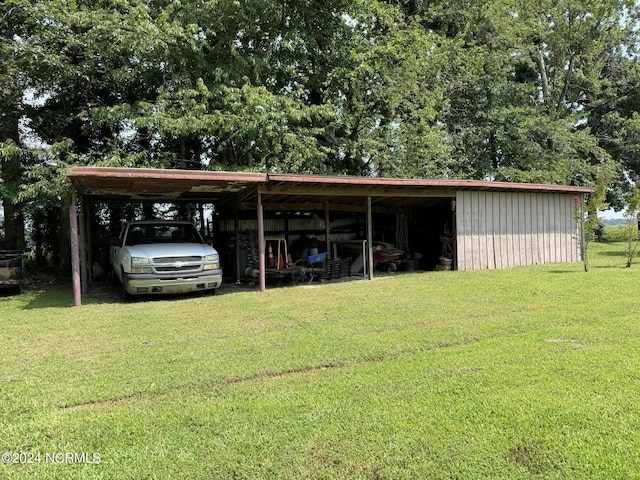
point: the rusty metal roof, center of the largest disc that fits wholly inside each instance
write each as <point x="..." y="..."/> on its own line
<point x="107" y="184"/>
<point x="277" y="190"/>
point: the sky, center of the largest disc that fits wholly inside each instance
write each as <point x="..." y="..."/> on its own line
<point x="610" y="213"/>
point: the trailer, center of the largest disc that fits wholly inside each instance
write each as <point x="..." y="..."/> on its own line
<point x="12" y="269"/>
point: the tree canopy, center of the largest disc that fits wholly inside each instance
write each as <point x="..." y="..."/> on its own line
<point x="502" y="89"/>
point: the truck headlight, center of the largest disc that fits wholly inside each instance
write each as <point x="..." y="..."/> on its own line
<point x="212" y="262"/>
<point x="137" y="265"/>
<point x="141" y="270"/>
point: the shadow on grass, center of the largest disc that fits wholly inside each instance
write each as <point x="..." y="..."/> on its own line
<point x="9" y="291"/>
<point x="48" y="297"/>
<point x="614" y="253"/>
<point x="60" y="295"/>
<point x="108" y="293"/>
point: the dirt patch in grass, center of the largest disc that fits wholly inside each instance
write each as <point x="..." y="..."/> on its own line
<point x="534" y="457"/>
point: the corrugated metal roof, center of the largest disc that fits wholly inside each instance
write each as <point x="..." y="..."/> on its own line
<point x="131" y="184"/>
<point x="422" y="183"/>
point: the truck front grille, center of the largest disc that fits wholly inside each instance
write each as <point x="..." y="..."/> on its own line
<point x="176" y="259"/>
<point x="177" y="264"/>
<point x="184" y="268"/>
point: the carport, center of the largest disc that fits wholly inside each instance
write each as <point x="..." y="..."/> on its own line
<point x="233" y="192"/>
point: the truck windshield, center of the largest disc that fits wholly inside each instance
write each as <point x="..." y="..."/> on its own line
<point x="162" y="233"/>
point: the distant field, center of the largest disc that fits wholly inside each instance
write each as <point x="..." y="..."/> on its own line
<point x="616" y="233"/>
<point x="515" y="374"/>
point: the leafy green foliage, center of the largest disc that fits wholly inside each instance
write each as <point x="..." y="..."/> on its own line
<point x="589" y="224"/>
<point x="453" y="89"/>
<point x="631" y="228"/>
<point x="508" y="90"/>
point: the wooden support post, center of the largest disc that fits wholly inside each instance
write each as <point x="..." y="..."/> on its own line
<point x="369" y="238"/>
<point x="75" y="250"/>
<point x="89" y="245"/>
<point x="327" y="229"/>
<point x="236" y="229"/>
<point x="201" y="211"/>
<point x="263" y="273"/>
<point x="82" y="232"/>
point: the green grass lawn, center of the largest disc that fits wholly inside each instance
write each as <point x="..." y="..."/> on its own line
<point x="522" y="373"/>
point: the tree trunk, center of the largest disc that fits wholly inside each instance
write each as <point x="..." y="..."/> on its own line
<point x="544" y="80"/>
<point x="64" y="243"/>
<point x="11" y="165"/>
<point x="11" y="171"/>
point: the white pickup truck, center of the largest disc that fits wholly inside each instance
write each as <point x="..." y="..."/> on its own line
<point x="163" y="256"/>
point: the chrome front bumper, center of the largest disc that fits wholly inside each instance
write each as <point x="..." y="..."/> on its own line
<point x="144" y="284"/>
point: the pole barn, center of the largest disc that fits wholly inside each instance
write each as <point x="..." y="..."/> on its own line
<point x="476" y="224"/>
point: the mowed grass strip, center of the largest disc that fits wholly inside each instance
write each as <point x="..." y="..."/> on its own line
<point x="521" y="373"/>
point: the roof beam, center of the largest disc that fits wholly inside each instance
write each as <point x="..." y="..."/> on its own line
<point x="353" y="191"/>
<point x="313" y="206"/>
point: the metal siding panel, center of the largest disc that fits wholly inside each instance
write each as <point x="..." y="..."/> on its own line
<point x="515" y="239"/>
<point x="575" y="232"/>
<point x="562" y="257"/>
<point x="481" y="247"/>
<point x="557" y="249"/>
<point x="531" y="228"/>
<point x="540" y="212"/>
<point x="515" y="198"/>
<point x="508" y="245"/>
<point x="474" y="231"/>
<point x="553" y="248"/>
<point x="491" y="219"/>
<point x="497" y="230"/>
<point x="489" y="262"/>
<point x="548" y="234"/>
<point x="469" y="244"/>
<point x="468" y="238"/>
<point x="570" y="228"/>
<point x="540" y="227"/>
<point x="535" y="244"/>
<point x="460" y="230"/>
<point x="562" y="230"/>
<point x="556" y="230"/>
<point x="567" y="228"/>
<point x="475" y="263"/>
<point x="537" y="229"/>
<point x="505" y="239"/>
<point x="522" y="230"/>
<point x="528" y="229"/>
<point x="465" y="258"/>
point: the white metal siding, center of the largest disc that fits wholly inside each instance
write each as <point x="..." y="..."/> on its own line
<point x="501" y="230"/>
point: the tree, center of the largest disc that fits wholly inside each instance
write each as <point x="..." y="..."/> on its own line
<point x="387" y="91"/>
<point x="632" y="235"/>
<point x="523" y="78"/>
<point x="12" y="16"/>
<point x="586" y="214"/>
<point x="503" y="89"/>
